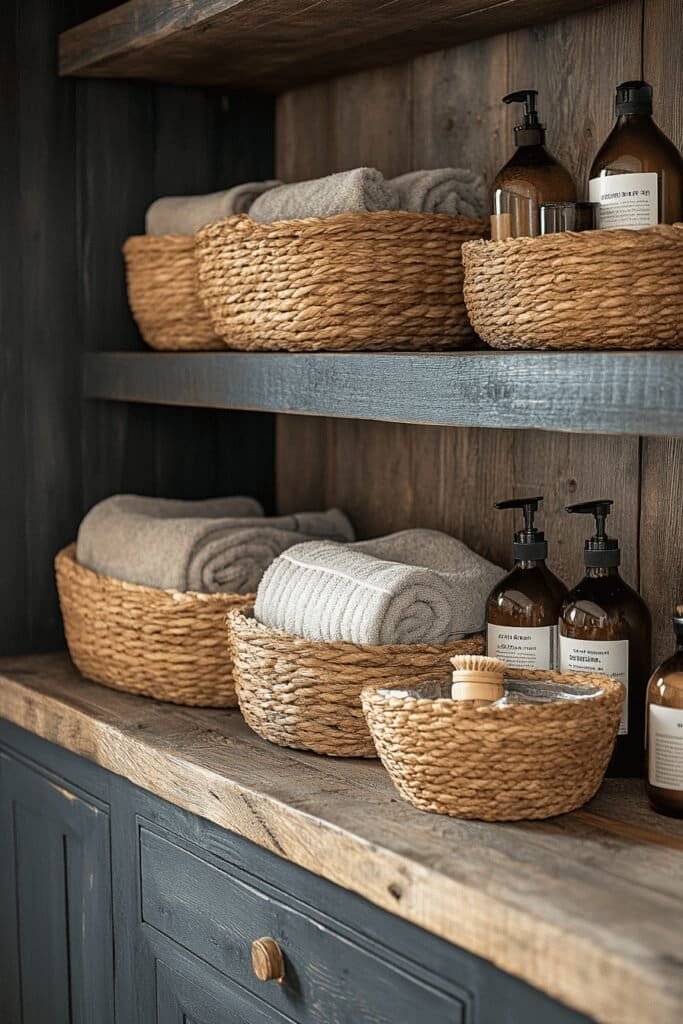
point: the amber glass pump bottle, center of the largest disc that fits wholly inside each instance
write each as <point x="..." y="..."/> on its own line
<point x="522" y="610"/>
<point x="605" y="627"/>
<point x="637" y="176"/>
<point x="530" y="178"/>
<point x="665" y="730"/>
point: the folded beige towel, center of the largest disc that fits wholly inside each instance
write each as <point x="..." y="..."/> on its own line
<point x="184" y="215"/>
<point x="362" y="190"/>
<point x="200" y="546"/>
<point x="443" y="190"/>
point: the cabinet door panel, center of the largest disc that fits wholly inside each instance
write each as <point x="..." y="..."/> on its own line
<point x="55" y="901"/>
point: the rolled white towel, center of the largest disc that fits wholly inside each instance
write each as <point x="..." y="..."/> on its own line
<point x="362" y="190"/>
<point x="415" y="586"/>
<point x="453" y="190"/>
<point x="173" y="546"/>
<point x="184" y="215"/>
<point x="320" y="592"/>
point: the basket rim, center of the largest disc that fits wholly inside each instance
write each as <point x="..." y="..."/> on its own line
<point x="612" y="689"/>
<point x="658" y="234"/>
<point x="244" y="618"/>
<point x="342" y="222"/>
<point x="67" y="556"/>
<point x="149" y="241"/>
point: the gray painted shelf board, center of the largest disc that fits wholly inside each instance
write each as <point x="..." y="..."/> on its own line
<point x="604" y="392"/>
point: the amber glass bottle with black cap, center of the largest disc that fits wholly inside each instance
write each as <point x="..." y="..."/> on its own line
<point x="664" y="726"/>
<point x="637" y="176"/>
<point x="605" y="627"/>
<point x="522" y="610"/>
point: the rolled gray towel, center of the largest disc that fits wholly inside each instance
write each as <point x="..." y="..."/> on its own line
<point x="362" y="190"/>
<point x="189" y="550"/>
<point x="184" y="215"/>
<point x="443" y="190"/>
<point x="416" y="586"/>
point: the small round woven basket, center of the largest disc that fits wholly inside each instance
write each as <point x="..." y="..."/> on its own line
<point x="303" y="694"/>
<point x="495" y="764"/>
<point x="366" y="281"/>
<point x="161" y="275"/>
<point x="156" y="643"/>
<point x="578" y="290"/>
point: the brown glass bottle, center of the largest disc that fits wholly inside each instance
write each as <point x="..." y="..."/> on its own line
<point x="530" y="178"/>
<point x="522" y="610"/>
<point x="664" y="724"/>
<point x="605" y="627"/>
<point x="652" y="191"/>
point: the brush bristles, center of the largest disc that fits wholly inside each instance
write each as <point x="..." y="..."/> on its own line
<point x="477" y="663"/>
<point x="679" y="611"/>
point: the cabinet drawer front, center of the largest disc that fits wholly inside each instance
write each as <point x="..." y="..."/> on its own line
<point x="329" y="979"/>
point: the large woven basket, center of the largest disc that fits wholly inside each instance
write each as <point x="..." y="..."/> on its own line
<point x="352" y="281"/>
<point x="578" y="290"/>
<point x="157" y="643"/>
<point x="299" y="693"/>
<point x="496" y="764"/>
<point x="162" y="292"/>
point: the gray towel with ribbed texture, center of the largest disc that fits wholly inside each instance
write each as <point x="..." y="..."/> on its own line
<point x="362" y="190"/>
<point x="416" y="586"/>
<point x="184" y="215"/>
<point x="210" y="553"/>
<point x="443" y="190"/>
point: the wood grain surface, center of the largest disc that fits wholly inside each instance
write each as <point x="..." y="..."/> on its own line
<point x="272" y="44"/>
<point x="586" y="907"/>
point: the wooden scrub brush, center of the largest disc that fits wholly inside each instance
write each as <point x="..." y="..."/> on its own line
<point x="477" y="680"/>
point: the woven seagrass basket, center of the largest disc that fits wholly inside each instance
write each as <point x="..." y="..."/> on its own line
<point x="299" y="693"/>
<point x="157" y="643"/>
<point x="578" y="290"/>
<point x="495" y="764"/>
<point x="161" y="274"/>
<point x="352" y="281"/>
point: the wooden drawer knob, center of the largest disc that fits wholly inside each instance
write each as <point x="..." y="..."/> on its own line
<point x="267" y="960"/>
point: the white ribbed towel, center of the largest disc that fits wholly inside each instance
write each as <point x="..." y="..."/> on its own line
<point x="184" y="215"/>
<point x="362" y="190"/>
<point x="416" y="586"/>
<point x="194" y="545"/>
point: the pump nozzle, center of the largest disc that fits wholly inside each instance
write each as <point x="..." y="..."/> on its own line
<point x="599" y="550"/>
<point x="529" y="544"/>
<point x="530" y="132"/>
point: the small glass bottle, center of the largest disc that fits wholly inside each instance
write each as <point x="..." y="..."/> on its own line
<point x="664" y="723"/>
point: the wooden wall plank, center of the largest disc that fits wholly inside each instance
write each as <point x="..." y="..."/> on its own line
<point x="661" y="524"/>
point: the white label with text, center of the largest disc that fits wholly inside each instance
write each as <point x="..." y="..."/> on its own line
<point x="665" y="747"/>
<point x="523" y="648"/>
<point x="626" y="200"/>
<point x="609" y="657"/>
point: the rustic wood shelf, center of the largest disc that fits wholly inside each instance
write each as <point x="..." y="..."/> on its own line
<point x="274" y="44"/>
<point x="586" y="907"/>
<point x="608" y="392"/>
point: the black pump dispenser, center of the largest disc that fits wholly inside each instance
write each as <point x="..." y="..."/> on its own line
<point x="529" y="544"/>
<point x="600" y="551"/>
<point x="530" y="132"/>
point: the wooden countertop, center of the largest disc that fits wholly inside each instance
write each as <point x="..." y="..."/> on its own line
<point x="587" y="907"/>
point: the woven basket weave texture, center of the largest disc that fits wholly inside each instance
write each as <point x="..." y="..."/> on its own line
<point x="298" y="693"/>
<point x="352" y="281"/>
<point x="497" y="764"/>
<point x="161" y="274"/>
<point x="578" y="290"/>
<point x="157" y="643"/>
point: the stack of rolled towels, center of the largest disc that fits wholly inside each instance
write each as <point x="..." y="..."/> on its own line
<point x="416" y="586"/>
<point x="447" y="190"/>
<point x="220" y="545"/>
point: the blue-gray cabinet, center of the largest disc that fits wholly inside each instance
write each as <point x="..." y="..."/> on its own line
<point x="116" y="906"/>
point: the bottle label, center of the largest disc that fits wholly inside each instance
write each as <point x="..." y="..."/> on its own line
<point x="523" y="648"/>
<point x="610" y="657"/>
<point x="665" y="747"/>
<point x="626" y="200"/>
